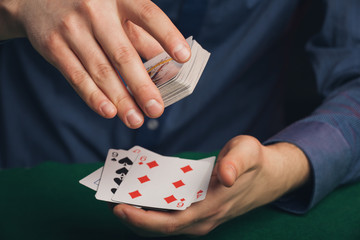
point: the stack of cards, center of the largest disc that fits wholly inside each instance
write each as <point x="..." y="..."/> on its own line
<point x="174" y="80"/>
<point x="143" y="178"/>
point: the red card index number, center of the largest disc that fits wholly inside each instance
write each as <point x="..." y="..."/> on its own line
<point x="199" y="193"/>
<point x="181" y="204"/>
<point x="142" y="160"/>
<point x="136" y="151"/>
<point x="134" y="194"/>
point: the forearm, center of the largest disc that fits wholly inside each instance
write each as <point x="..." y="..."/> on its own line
<point x="9" y="25"/>
<point x="330" y="136"/>
<point x="330" y="139"/>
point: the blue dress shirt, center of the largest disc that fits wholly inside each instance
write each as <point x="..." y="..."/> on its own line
<point x="240" y="92"/>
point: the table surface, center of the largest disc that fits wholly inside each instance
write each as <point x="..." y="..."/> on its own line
<point x="47" y="202"/>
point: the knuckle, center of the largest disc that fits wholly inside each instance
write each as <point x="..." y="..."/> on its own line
<point x="122" y="100"/>
<point x="78" y="78"/>
<point x="244" y="139"/>
<point x="86" y="6"/>
<point x="89" y="8"/>
<point x="103" y="71"/>
<point x="51" y="41"/>
<point x="71" y="24"/>
<point x="143" y="89"/>
<point x="93" y="98"/>
<point x="148" y="11"/>
<point x="253" y="144"/>
<point x="234" y="142"/>
<point x="130" y="28"/>
<point x="68" y="23"/>
<point x="123" y="55"/>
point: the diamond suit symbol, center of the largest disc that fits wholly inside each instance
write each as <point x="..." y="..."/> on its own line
<point x="170" y="199"/>
<point x="186" y="169"/>
<point x="152" y="164"/>
<point x="135" y="194"/>
<point x="178" y="184"/>
<point x="144" y="179"/>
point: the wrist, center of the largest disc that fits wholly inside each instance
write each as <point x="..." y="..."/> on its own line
<point x="289" y="165"/>
<point x="9" y="25"/>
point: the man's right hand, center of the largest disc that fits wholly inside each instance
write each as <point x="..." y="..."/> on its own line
<point x="90" y="40"/>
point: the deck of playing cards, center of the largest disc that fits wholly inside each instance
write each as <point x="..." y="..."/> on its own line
<point x="175" y="80"/>
<point x="146" y="179"/>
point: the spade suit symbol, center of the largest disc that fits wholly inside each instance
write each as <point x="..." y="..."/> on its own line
<point x="125" y="161"/>
<point x="117" y="181"/>
<point x="122" y="171"/>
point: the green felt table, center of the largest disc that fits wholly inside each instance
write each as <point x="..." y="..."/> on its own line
<point x="47" y="202"/>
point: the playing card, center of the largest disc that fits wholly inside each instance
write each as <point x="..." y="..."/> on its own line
<point x="161" y="182"/>
<point x="162" y="68"/>
<point x="143" y="178"/>
<point x="138" y="150"/>
<point x="92" y="180"/>
<point x="175" y="80"/>
<point x="117" y="165"/>
<point x="204" y="182"/>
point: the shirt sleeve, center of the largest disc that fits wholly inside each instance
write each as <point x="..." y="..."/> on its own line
<point x="330" y="136"/>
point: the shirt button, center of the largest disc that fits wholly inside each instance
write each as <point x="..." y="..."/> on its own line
<point x="152" y="124"/>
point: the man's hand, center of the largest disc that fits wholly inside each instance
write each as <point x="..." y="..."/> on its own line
<point x="247" y="175"/>
<point x="88" y="40"/>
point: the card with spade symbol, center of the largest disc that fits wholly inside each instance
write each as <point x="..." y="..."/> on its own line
<point x="143" y="178"/>
<point x="165" y="182"/>
<point x="117" y="165"/>
<point x="92" y="180"/>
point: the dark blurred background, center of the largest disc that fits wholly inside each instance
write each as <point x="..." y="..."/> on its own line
<point x="301" y="96"/>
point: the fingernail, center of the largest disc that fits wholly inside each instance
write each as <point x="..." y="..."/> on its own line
<point x="153" y="108"/>
<point x="107" y="109"/>
<point x="181" y="53"/>
<point x="134" y="118"/>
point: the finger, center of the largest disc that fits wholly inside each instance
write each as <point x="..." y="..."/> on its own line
<point x="60" y="55"/>
<point x="105" y="77"/>
<point x="221" y="154"/>
<point x="155" y="222"/>
<point x="113" y="40"/>
<point x="150" y="17"/>
<point x="240" y="155"/>
<point x="143" y="42"/>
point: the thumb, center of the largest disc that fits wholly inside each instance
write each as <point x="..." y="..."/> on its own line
<point x="237" y="157"/>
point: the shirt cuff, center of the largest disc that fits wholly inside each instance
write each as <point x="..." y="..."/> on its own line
<point x="329" y="155"/>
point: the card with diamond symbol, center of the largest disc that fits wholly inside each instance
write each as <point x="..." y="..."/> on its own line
<point x="146" y="179"/>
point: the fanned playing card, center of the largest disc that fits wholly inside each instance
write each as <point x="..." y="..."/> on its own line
<point x="163" y="183"/>
<point x="146" y="179"/>
<point x="201" y="190"/>
<point x="117" y="165"/>
<point x="92" y="180"/>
